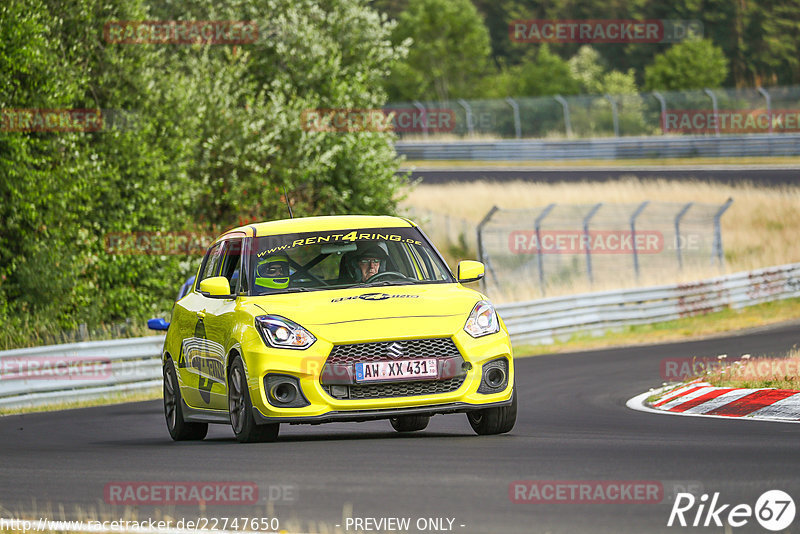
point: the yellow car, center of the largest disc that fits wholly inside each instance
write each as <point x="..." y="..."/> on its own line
<point x="321" y="319"/>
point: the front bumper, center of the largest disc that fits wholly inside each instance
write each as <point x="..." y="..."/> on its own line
<point x="371" y="415"/>
<point x="307" y="367"/>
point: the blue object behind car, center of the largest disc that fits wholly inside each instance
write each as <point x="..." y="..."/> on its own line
<point x="162" y="324"/>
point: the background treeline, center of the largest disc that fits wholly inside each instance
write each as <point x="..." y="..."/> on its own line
<point x="462" y="48"/>
<point x="215" y="137"/>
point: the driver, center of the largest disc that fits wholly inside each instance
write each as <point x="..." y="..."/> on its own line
<point x="273" y="272"/>
<point x="371" y="261"/>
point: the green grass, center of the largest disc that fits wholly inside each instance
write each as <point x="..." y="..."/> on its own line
<point x="113" y="398"/>
<point x="728" y="320"/>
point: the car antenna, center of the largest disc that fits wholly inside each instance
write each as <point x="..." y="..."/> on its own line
<point x="288" y="205"/>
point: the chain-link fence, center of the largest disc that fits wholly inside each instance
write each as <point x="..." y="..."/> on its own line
<point x="563" y="248"/>
<point x="444" y="229"/>
<point x="701" y="112"/>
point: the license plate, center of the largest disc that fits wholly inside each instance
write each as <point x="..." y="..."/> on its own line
<point x="422" y="368"/>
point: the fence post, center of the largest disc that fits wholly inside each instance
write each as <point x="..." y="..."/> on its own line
<point x="614" y="114"/>
<point x="663" y="103"/>
<point x="636" y="214"/>
<point x="468" y="110"/>
<point x="714" y="107"/>
<point x="537" y="225"/>
<point x="588" y="240"/>
<point x="481" y="252"/>
<point x="769" y="104"/>
<point x="567" y="123"/>
<point x="517" y="122"/>
<point x="678" y="218"/>
<point x="423" y="117"/>
<point x="716" y="249"/>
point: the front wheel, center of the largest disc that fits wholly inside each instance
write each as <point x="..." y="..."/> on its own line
<point x="410" y="423"/>
<point x="241" y="409"/>
<point x="494" y="420"/>
<point x="178" y="428"/>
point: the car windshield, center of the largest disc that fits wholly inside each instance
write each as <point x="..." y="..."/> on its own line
<point x="336" y="259"/>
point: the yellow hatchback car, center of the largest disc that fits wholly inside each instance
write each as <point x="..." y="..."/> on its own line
<point x="322" y="319"/>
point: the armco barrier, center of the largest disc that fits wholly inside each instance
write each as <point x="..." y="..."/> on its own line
<point x="684" y="146"/>
<point x="41" y="375"/>
<point x="78" y="371"/>
<point x="544" y="320"/>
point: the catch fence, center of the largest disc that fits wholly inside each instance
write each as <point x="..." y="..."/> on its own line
<point x="597" y="245"/>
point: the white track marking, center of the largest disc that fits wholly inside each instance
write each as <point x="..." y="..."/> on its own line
<point x="638" y="403"/>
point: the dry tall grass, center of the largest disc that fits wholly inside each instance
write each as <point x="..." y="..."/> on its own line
<point x="781" y="373"/>
<point x="759" y="230"/>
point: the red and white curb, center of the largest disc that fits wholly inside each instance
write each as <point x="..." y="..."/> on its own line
<point x="698" y="398"/>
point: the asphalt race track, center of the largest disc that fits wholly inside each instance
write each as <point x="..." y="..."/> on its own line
<point x="768" y="175"/>
<point x="573" y="425"/>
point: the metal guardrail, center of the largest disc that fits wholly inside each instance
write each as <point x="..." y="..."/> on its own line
<point x="604" y="148"/>
<point x="80" y="371"/>
<point x="545" y="320"/>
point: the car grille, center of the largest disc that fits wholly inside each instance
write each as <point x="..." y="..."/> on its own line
<point x="381" y="350"/>
<point x="401" y="389"/>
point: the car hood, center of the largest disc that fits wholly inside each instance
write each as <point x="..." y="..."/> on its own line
<point x="442" y="308"/>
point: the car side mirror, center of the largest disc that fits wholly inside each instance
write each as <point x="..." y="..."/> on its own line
<point x="216" y="287"/>
<point x="470" y="271"/>
<point x="157" y="324"/>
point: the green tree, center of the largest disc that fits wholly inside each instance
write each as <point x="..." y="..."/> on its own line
<point x="589" y="68"/>
<point x="543" y="74"/>
<point x="217" y="135"/>
<point x="448" y="51"/>
<point x="692" y="64"/>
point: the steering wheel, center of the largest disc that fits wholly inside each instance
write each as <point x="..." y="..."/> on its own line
<point x="386" y="274"/>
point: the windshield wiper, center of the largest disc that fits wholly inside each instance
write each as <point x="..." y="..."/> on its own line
<point x="386" y="283"/>
<point x="295" y="289"/>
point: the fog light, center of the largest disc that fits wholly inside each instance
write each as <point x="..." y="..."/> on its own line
<point x="495" y="377"/>
<point x="283" y="391"/>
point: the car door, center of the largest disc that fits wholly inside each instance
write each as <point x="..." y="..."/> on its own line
<point x="196" y="350"/>
<point x="217" y="317"/>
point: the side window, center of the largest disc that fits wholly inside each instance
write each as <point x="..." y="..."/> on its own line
<point x="232" y="261"/>
<point x="210" y="263"/>
<point x="428" y="268"/>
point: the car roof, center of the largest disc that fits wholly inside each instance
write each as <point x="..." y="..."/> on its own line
<point x="310" y="224"/>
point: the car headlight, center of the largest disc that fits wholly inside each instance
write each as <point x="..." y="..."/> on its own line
<point x="482" y="320"/>
<point x="280" y="332"/>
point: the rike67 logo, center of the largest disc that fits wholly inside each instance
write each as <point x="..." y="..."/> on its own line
<point x="774" y="510"/>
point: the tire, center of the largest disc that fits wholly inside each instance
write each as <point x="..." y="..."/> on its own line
<point x="178" y="428"/>
<point x="494" y="420"/>
<point x="410" y="423"/>
<point x="240" y="408"/>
